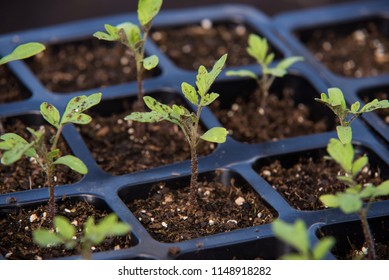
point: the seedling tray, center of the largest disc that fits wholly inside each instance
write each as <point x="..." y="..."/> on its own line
<point x="235" y="158"/>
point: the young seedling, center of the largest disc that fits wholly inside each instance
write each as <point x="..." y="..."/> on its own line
<point x="351" y="200"/>
<point x="186" y="120"/>
<point x="23" y="51"/>
<point x="93" y="234"/>
<point x="49" y="156"/>
<point x="296" y="235"/>
<point x="135" y="38"/>
<point x="341" y="151"/>
<point x="336" y="102"/>
<point x="258" y="48"/>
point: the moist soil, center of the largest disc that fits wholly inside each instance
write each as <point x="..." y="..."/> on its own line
<point x="87" y="64"/>
<point x="11" y="89"/>
<point x="305" y="181"/>
<point x="118" y="149"/>
<point x="25" y="174"/>
<point x="16" y="241"/>
<point x="203" y="44"/>
<point x="281" y="118"/>
<point x="357" y="50"/>
<point x="380" y="95"/>
<point x="169" y="216"/>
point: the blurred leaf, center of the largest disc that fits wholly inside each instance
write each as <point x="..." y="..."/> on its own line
<point x="64" y="227"/>
<point x="242" y="73"/>
<point x="23" y="51"/>
<point x="150" y="62"/>
<point x="147" y="10"/>
<point x="215" y="135"/>
<point x="295" y="234"/>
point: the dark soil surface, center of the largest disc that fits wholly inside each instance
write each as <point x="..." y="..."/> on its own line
<point x="16" y="241"/>
<point x="10" y="88"/>
<point x="86" y="64"/>
<point x="169" y="216"/>
<point x="203" y="44"/>
<point x="25" y="174"/>
<point x="118" y="149"/>
<point x="281" y="118"/>
<point x="381" y="95"/>
<point x="354" y="50"/>
<point x="303" y="183"/>
<point x="382" y="252"/>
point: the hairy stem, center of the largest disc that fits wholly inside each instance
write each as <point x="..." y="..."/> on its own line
<point x="56" y="138"/>
<point x="194" y="176"/>
<point x="264" y="91"/>
<point x="371" y="254"/>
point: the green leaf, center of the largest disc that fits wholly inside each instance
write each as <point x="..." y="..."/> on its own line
<point x="242" y="73"/>
<point x="346" y="180"/>
<point x="295" y="257"/>
<point x="358" y="165"/>
<point x="64" y="227"/>
<point x="345" y="134"/>
<point x="209" y="98"/>
<point x="295" y="234"/>
<point x="287" y="62"/>
<point x="23" y="51"/>
<point x="215" y="135"/>
<point x="146" y="117"/>
<point x="374" y="105"/>
<point x="73" y="163"/>
<point x="129" y="34"/>
<point x="190" y="93"/>
<point x="269" y="59"/>
<point x="150" y="62"/>
<point x="111" y="35"/>
<point x="204" y="80"/>
<point x="77" y="105"/>
<point x="336" y="97"/>
<point x="368" y="192"/>
<point x="15" y="146"/>
<point x="323" y="247"/>
<point x="349" y="203"/>
<point x="45" y="238"/>
<point x="355" y="107"/>
<point x="53" y="154"/>
<point x="343" y="154"/>
<point x="382" y="189"/>
<point x="323" y="98"/>
<point x="50" y="114"/>
<point x="156" y="106"/>
<point x="147" y="10"/>
<point x="108" y="226"/>
<point x="275" y="72"/>
<point x="257" y="48"/>
<point x="330" y="200"/>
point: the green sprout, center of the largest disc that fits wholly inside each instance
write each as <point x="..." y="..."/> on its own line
<point x="258" y="48"/>
<point x="135" y="38"/>
<point x="23" y="51"/>
<point x="336" y="102"/>
<point x="93" y="234"/>
<point x="296" y="235"/>
<point x="49" y="156"/>
<point x="186" y="120"/>
<point x="351" y="200"/>
<point x="341" y="150"/>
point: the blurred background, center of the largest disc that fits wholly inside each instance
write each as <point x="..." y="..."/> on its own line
<point x="24" y="14"/>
